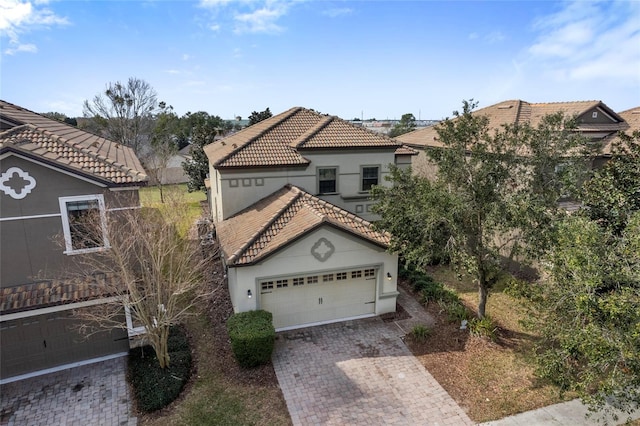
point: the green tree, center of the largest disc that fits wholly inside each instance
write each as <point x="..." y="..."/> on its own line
<point x="614" y="192"/>
<point x="202" y="130"/>
<point x="406" y="124"/>
<point x="124" y="112"/>
<point x="257" y="117"/>
<point x="493" y="191"/>
<point x="61" y="117"/>
<point x="588" y="313"/>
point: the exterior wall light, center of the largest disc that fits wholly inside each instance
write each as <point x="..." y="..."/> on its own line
<point x="389" y="276"/>
<point x="249" y="295"/>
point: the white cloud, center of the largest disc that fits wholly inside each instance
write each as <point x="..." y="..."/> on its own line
<point x="261" y="20"/>
<point x="18" y="17"/>
<point x="18" y="47"/>
<point x="335" y="12"/>
<point x="214" y="27"/>
<point x="589" y="41"/>
<point x="186" y="57"/>
<point x="173" y="72"/>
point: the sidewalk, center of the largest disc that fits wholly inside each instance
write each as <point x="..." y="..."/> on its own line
<point x="564" y="413"/>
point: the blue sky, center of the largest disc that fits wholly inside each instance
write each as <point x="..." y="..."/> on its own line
<point x="376" y="59"/>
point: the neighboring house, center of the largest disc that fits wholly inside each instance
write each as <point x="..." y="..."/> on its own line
<point x="290" y="201"/>
<point x="51" y="174"/>
<point x="595" y="120"/>
<point x="173" y="172"/>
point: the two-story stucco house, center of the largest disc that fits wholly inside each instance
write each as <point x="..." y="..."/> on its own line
<point x="52" y="174"/>
<point x="595" y="120"/>
<point x="290" y="202"/>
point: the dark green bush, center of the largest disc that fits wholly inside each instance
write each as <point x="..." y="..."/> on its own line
<point x="422" y="284"/>
<point x="154" y="387"/>
<point x="252" y="337"/>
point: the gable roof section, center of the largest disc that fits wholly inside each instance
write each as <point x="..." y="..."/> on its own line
<point x="72" y="148"/>
<point x="281" y="139"/>
<point x="281" y="218"/>
<point x="520" y="112"/>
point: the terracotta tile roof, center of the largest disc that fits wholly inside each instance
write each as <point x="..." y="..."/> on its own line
<point x="406" y="150"/>
<point x="521" y="112"/>
<point x="632" y="120"/>
<point x="49" y="293"/>
<point x="282" y="217"/>
<point x="69" y="146"/>
<point x="282" y="139"/>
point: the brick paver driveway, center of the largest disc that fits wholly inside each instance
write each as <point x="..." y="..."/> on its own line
<point x="94" y="394"/>
<point x="358" y="373"/>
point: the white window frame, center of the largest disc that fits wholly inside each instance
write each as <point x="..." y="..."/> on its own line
<point x="131" y="330"/>
<point x="67" y="228"/>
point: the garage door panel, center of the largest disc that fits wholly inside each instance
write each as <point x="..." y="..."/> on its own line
<point x="46" y="341"/>
<point x="332" y="296"/>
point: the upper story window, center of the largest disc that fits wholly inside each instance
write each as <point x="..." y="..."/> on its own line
<point x="83" y="223"/>
<point x="327" y="180"/>
<point x="370" y="176"/>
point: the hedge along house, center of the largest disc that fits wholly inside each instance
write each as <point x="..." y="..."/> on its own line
<point x="290" y="201"/>
<point x="51" y="174"/>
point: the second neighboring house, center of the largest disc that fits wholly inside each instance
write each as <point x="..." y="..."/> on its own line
<point x="290" y="198"/>
<point x="51" y="175"/>
<point x="595" y="120"/>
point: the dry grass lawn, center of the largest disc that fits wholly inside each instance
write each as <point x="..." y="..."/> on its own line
<point x="490" y="380"/>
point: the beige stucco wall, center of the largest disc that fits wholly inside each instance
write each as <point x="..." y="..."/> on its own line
<point x="238" y="189"/>
<point x="350" y="253"/>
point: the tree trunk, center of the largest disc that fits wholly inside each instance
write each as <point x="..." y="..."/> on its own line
<point x="160" y="346"/>
<point x="482" y="296"/>
<point x="483" y="290"/>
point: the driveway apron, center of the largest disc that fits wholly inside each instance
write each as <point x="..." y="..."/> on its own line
<point x="359" y="373"/>
<point x="94" y="394"/>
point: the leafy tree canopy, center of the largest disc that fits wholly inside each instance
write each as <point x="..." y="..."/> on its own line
<point x="257" y="117"/>
<point x="202" y="130"/>
<point x="494" y="189"/>
<point x="406" y="124"/>
<point x="614" y="192"/>
<point x="61" y="117"/>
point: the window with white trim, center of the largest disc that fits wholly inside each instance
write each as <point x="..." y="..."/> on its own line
<point x="340" y="276"/>
<point x="327" y="180"/>
<point x="370" y="177"/>
<point x="134" y="327"/>
<point x="83" y="223"/>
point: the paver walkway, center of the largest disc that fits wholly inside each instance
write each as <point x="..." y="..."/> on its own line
<point x="359" y="373"/>
<point x="94" y="394"/>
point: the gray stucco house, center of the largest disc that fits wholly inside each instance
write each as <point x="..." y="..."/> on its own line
<point x="52" y="173"/>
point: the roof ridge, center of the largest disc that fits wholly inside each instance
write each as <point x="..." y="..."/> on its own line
<point x="324" y="122"/>
<point x="285" y="115"/>
<point x="263" y="228"/>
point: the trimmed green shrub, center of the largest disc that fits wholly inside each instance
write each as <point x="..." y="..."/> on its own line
<point x="252" y="337"/>
<point x="483" y="328"/>
<point x="420" y="333"/>
<point x="153" y="387"/>
<point x="422" y="284"/>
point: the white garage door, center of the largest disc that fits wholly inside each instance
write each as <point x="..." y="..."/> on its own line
<point x="307" y="299"/>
